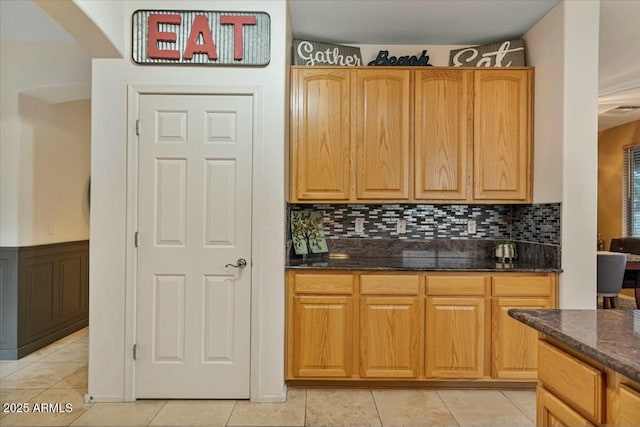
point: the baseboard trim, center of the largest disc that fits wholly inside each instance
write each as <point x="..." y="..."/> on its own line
<point x="104" y="398"/>
<point x="53" y="337"/>
<point x="415" y="384"/>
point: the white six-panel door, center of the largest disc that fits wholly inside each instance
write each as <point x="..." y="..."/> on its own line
<point x="194" y="217"/>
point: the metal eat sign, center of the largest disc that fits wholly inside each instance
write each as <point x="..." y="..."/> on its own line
<point x="200" y="37"/>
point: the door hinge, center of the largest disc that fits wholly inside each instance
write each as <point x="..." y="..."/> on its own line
<point x="137" y="127"/>
<point x="135" y="352"/>
<point x="136" y="240"/>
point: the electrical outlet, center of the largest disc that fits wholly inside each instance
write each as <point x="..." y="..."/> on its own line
<point x="359" y="225"/>
<point x="471" y="226"/>
<point x="401" y="226"/>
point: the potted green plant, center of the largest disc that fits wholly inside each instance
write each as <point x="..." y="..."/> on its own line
<point x="505" y="249"/>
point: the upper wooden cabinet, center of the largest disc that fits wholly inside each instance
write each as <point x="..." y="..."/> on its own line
<point x="382" y="134"/>
<point x="411" y="135"/>
<point x="321" y="134"/>
<point x="502" y="135"/>
<point x="443" y="131"/>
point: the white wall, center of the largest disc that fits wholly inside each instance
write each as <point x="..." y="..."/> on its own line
<point x="580" y="155"/>
<point x="26" y="66"/>
<point x="109" y="242"/>
<point x="55" y="161"/>
<point x="545" y="51"/>
<point x="563" y="47"/>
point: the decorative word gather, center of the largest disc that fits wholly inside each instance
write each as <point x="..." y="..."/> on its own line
<point x="328" y="56"/>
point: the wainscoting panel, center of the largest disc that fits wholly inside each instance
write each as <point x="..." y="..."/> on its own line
<point x="8" y="302"/>
<point x="52" y="300"/>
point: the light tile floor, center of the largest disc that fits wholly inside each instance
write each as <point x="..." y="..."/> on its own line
<point x="58" y="374"/>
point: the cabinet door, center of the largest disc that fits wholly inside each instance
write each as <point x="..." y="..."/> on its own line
<point x="382" y="134"/>
<point x="389" y="337"/>
<point x="442" y="133"/>
<point x="455" y="343"/>
<point x="515" y="345"/>
<point x="629" y="408"/>
<point x="553" y="412"/>
<point x="322" y="336"/>
<point x="321" y="134"/>
<point x="502" y="135"/>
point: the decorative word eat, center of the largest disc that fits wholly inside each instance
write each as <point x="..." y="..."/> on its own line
<point x="383" y="58"/>
<point x="195" y="37"/>
<point x="199" y="27"/>
<point x="493" y="55"/>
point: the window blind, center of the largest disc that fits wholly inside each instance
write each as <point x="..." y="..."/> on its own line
<point x="631" y="192"/>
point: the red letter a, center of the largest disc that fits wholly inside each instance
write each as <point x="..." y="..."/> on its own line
<point x="200" y="26"/>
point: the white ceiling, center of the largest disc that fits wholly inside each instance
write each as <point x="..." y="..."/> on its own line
<point x="428" y="22"/>
<point x="619" y="69"/>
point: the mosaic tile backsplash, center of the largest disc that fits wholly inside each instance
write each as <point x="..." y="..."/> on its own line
<point x="539" y="223"/>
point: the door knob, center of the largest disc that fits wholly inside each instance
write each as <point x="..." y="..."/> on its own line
<point x="241" y="263"/>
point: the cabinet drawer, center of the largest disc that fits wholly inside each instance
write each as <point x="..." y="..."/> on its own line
<point x="340" y="284"/>
<point x="629" y="406"/>
<point x="554" y="412"/>
<point x="574" y="381"/>
<point x="455" y="285"/>
<point x="389" y="284"/>
<point x="515" y="286"/>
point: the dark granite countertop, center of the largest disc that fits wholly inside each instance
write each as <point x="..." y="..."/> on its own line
<point x="610" y="337"/>
<point x="427" y="255"/>
<point x="415" y="264"/>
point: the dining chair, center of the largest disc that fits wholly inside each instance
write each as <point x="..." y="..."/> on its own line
<point x="611" y="266"/>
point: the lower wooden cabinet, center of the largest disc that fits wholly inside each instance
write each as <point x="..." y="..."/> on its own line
<point x="322" y="336"/>
<point x="456" y="337"/>
<point x="514" y="349"/>
<point x="320" y="325"/>
<point x="455" y="325"/>
<point x="575" y="390"/>
<point x="408" y="326"/>
<point x="389" y="337"/>
<point x="390" y="326"/>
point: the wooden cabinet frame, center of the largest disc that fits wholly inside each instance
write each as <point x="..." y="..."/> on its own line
<point x="397" y="309"/>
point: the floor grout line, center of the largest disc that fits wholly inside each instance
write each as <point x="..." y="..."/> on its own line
<point x="448" y="409"/>
<point x="306" y="396"/>
<point x="235" y="405"/>
<point x="157" y="413"/>
<point x="518" y="407"/>
<point x="375" y="405"/>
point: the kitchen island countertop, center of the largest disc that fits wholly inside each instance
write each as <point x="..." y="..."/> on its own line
<point x="610" y="337"/>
